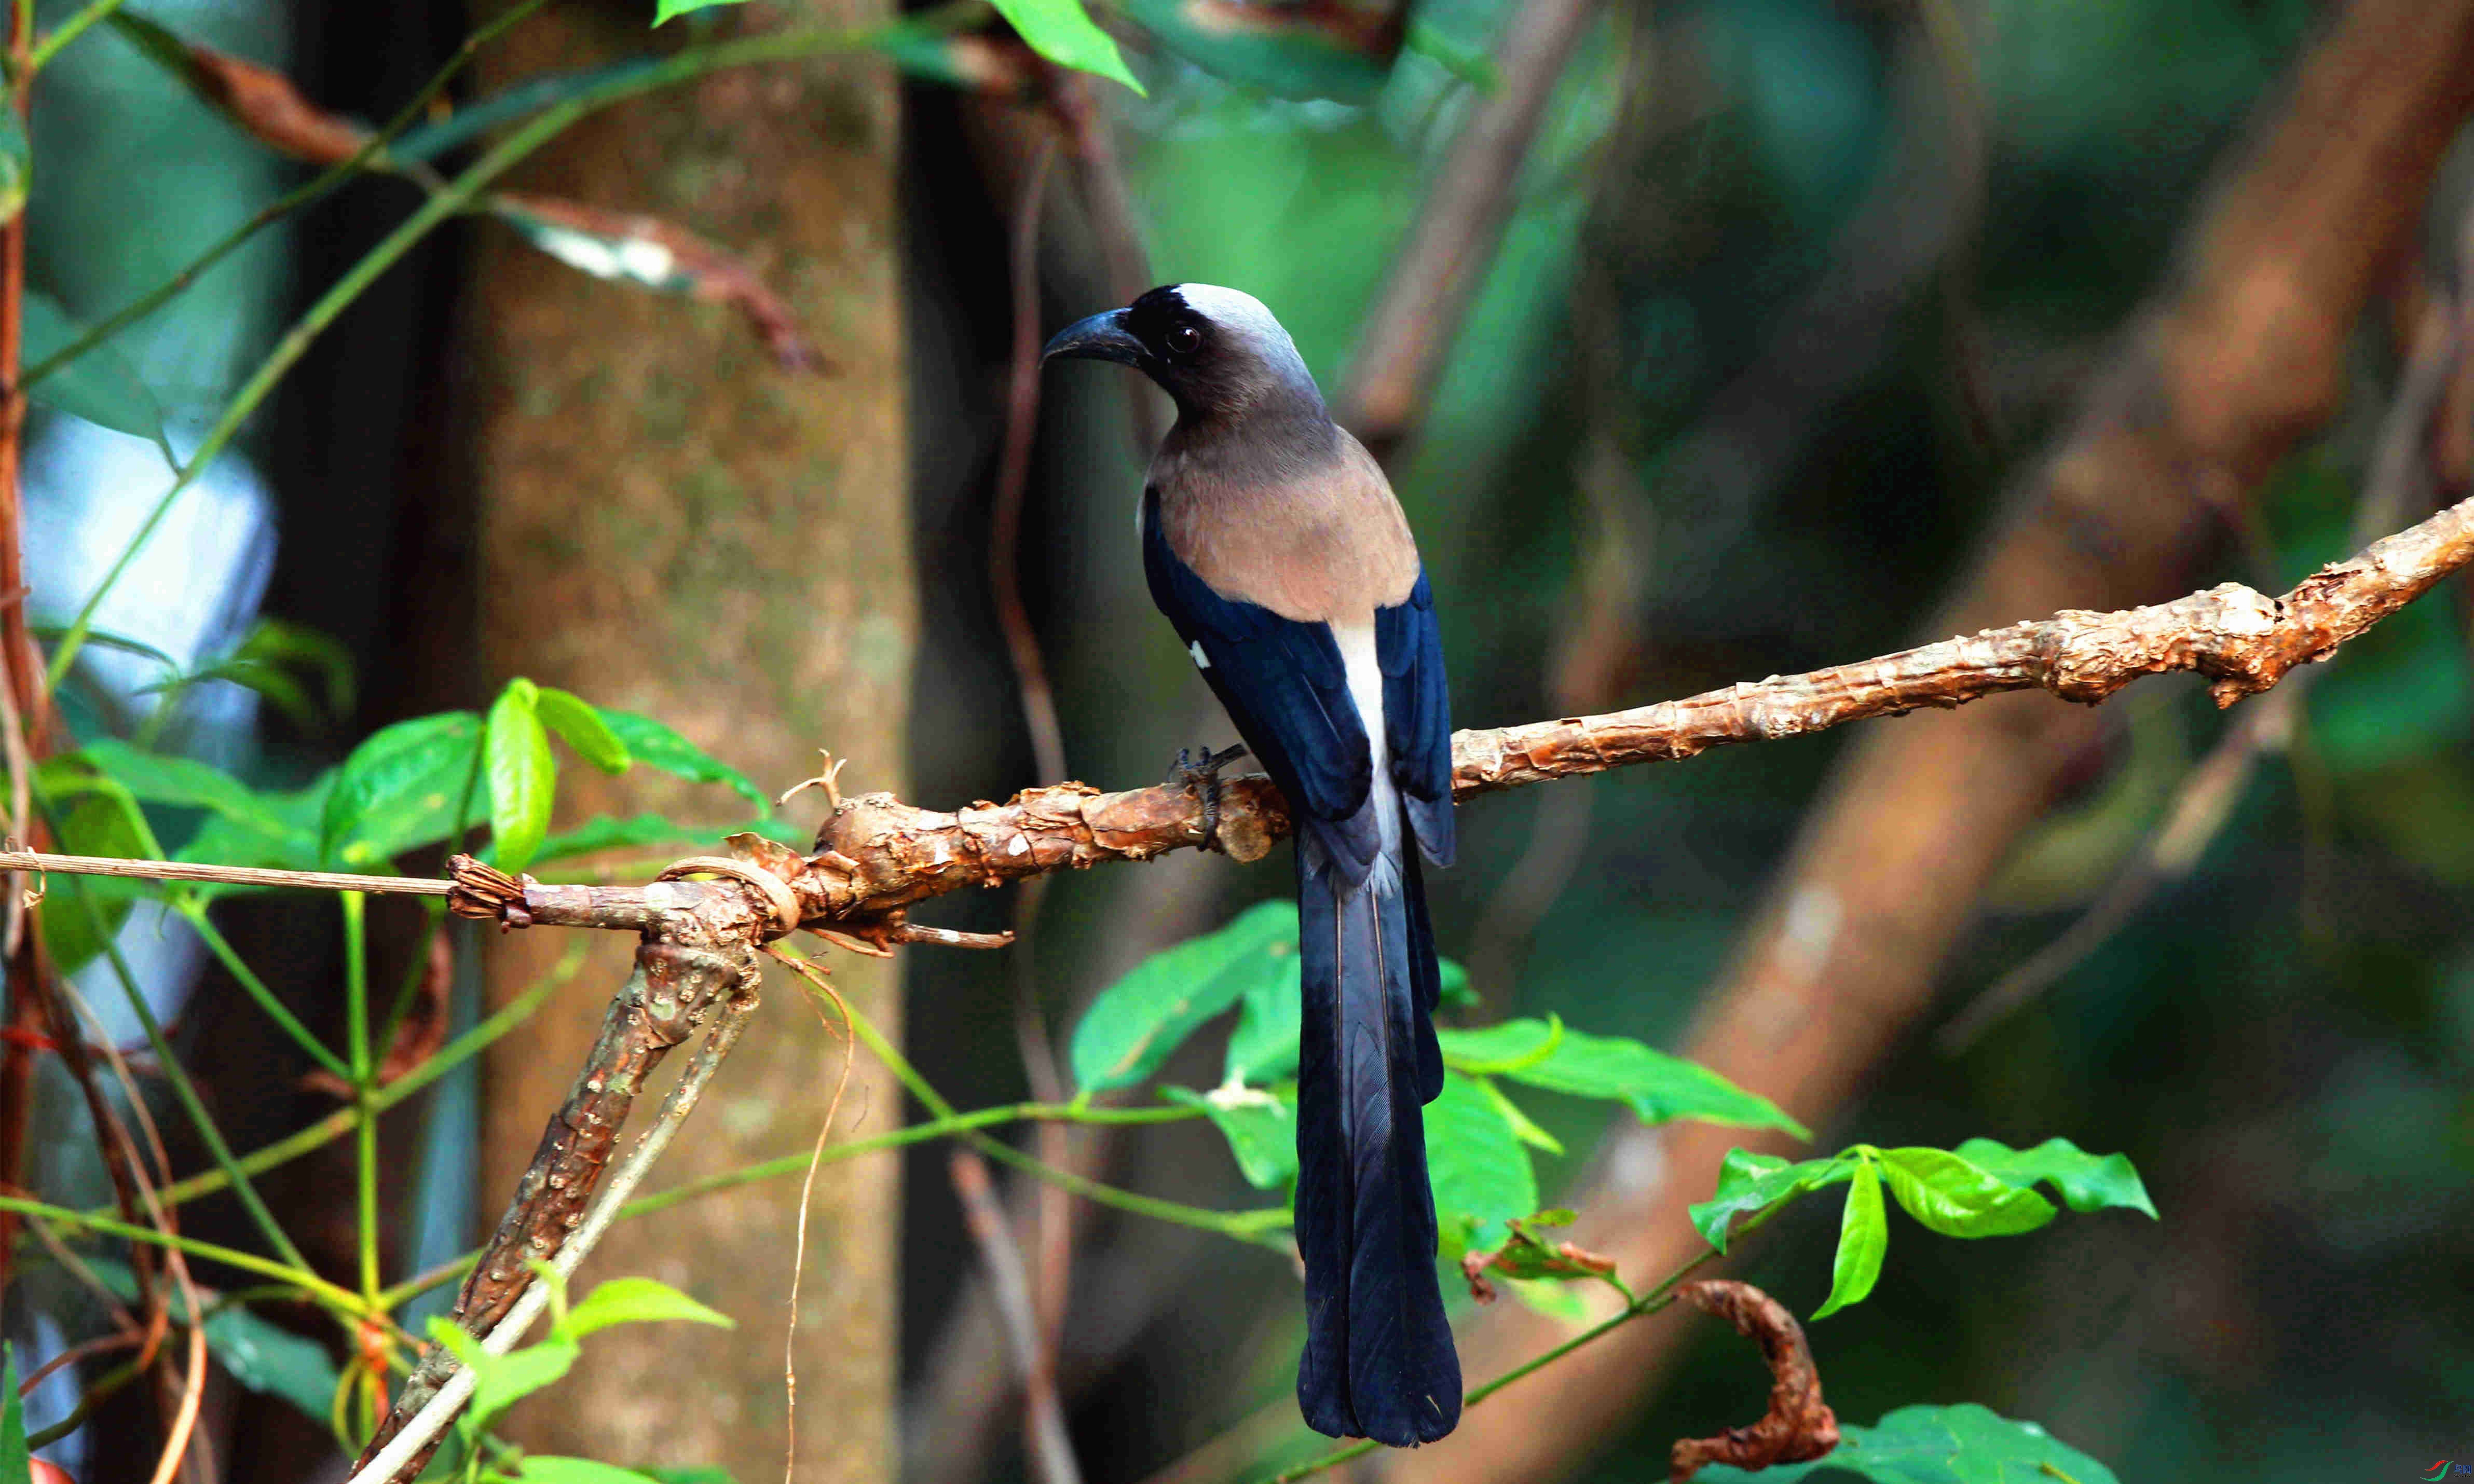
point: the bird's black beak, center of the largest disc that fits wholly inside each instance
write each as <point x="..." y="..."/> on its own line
<point x="1103" y="337"/>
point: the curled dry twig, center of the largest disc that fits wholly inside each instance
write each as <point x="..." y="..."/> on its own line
<point x="1799" y="1426"/>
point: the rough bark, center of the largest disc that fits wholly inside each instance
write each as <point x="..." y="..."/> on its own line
<point x="2235" y="360"/>
<point x="671" y="522"/>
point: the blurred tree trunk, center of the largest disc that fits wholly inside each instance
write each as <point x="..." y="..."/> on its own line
<point x="670" y="523"/>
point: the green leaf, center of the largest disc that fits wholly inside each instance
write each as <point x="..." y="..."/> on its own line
<point x="259" y="1354"/>
<point x="1954" y="1198"/>
<point x="1523" y="1127"/>
<point x="279" y="643"/>
<point x="267" y="1358"/>
<point x="105" y="639"/>
<point x="1513" y="1046"/>
<point x="1480" y="1171"/>
<point x="1749" y="1183"/>
<point x="1064" y="32"/>
<point x="2085" y="1181"/>
<point x="1659" y="1089"/>
<point x="550" y="1469"/>
<point x="1136" y="1022"/>
<point x="280" y="690"/>
<point x="602" y="832"/>
<point x="1863" y="1241"/>
<point x="1555" y="1298"/>
<point x="104" y="820"/>
<point x="499" y="1381"/>
<point x="1269" y="47"/>
<point x="16" y="1459"/>
<point x="523" y="776"/>
<point x="1259" y="1124"/>
<point x="655" y="746"/>
<point x="1456" y="990"/>
<point x="227" y="841"/>
<point x="124" y="832"/>
<point x="185" y="783"/>
<point x="1928" y="1445"/>
<point x="580" y="725"/>
<point x="708" y="1474"/>
<point x="636" y="1301"/>
<point x="100" y="386"/>
<point x="399" y="789"/>
<point x="1263" y="1049"/>
<point x="671" y="10"/>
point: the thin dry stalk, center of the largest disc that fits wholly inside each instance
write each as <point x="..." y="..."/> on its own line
<point x="807" y="1193"/>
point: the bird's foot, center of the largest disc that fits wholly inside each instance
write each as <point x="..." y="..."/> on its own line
<point x="1203" y="776"/>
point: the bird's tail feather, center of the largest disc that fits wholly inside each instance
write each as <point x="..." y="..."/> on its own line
<point x="1378" y="1359"/>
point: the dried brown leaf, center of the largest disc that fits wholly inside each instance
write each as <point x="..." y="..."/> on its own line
<point x="1799" y="1426"/>
<point x="265" y="102"/>
<point x="646" y="250"/>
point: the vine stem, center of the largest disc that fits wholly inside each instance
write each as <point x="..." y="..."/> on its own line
<point x="1245" y="1226"/>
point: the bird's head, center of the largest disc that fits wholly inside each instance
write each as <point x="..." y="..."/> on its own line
<point x="1218" y="353"/>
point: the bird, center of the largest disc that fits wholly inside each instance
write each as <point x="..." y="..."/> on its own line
<point x="1274" y="544"/>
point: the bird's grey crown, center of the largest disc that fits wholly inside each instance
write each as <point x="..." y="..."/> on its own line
<point x="1245" y="360"/>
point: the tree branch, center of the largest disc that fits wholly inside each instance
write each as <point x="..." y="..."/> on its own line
<point x="878" y="856"/>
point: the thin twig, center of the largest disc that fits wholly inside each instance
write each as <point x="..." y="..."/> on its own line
<point x="1043" y="1422"/>
<point x="807" y="1193"/>
<point x="1038" y="700"/>
<point x="225" y="875"/>
<point x="1405" y="338"/>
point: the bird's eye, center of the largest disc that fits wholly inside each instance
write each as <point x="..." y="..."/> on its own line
<point x="1185" y="339"/>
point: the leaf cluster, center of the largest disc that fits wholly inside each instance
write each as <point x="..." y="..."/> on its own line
<point x="411" y="785"/>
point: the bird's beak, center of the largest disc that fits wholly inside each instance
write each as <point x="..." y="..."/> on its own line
<point x="1103" y="337"/>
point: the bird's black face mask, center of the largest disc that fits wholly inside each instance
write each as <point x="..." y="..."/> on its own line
<point x="1166" y="339"/>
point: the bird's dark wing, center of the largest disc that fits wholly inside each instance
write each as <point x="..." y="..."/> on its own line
<point x="1417" y="717"/>
<point x="1285" y="686"/>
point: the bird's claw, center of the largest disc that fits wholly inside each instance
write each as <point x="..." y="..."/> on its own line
<point x="1203" y="778"/>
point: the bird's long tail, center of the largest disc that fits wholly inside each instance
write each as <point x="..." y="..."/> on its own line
<point x="1378" y="1359"/>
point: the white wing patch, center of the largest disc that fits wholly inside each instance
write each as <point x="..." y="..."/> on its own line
<point x="1202" y="661"/>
